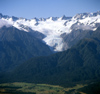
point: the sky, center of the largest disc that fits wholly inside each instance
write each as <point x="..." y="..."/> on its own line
<point x="47" y="8"/>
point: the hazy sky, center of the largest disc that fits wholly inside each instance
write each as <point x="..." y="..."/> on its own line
<point x="46" y="8"/>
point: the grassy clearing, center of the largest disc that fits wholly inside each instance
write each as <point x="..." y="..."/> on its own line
<point x="30" y="88"/>
<point x="75" y="87"/>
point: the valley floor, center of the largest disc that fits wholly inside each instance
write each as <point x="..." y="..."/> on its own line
<point x="30" y="88"/>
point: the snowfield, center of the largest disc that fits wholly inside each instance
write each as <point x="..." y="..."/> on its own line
<point x="54" y="27"/>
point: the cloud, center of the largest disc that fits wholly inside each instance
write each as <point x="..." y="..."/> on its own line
<point x="4" y="23"/>
<point x="81" y="26"/>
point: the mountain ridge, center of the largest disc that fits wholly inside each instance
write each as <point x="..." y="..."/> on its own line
<point x="53" y="27"/>
<point x="18" y="46"/>
<point x="79" y="64"/>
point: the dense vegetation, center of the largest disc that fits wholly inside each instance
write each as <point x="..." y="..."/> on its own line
<point x="93" y="88"/>
<point x="79" y="64"/>
<point x="18" y="46"/>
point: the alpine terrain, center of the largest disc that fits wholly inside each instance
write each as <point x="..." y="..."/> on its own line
<point x="55" y="28"/>
<point x="61" y="51"/>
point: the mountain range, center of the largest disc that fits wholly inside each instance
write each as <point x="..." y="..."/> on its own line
<point x="53" y="28"/>
<point x="79" y="64"/>
<point x="55" y="50"/>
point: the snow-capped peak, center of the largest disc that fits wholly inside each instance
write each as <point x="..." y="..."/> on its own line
<point x="54" y="27"/>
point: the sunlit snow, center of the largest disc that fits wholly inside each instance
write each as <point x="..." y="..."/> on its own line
<point x="53" y="28"/>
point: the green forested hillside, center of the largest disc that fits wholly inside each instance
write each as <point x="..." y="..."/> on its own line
<point x="18" y="46"/>
<point x="79" y="64"/>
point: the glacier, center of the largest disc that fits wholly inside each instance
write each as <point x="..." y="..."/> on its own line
<point x="54" y="27"/>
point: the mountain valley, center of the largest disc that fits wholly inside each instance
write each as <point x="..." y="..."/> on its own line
<point x="63" y="51"/>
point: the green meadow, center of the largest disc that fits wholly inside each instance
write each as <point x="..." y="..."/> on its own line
<point x="31" y="88"/>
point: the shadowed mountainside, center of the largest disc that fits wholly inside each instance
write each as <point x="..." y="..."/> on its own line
<point x="79" y="64"/>
<point x="18" y="46"/>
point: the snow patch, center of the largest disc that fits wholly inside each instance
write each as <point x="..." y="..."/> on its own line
<point x="4" y="23"/>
